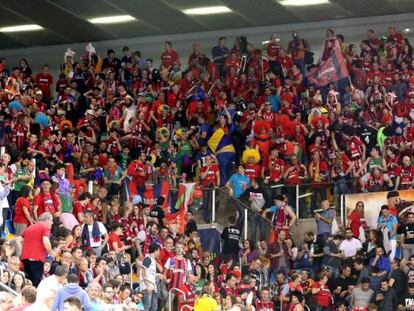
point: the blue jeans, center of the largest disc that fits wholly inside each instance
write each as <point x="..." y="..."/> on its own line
<point x="240" y="217"/>
<point x="150" y="300"/>
<point x="256" y="222"/>
<point x="341" y="186"/>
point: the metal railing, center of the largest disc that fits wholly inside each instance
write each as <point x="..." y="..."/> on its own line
<point x="302" y="209"/>
<point x="170" y="298"/>
<point x="9" y="289"/>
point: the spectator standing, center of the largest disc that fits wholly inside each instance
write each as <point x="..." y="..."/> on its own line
<point x="36" y="246"/>
<point x="219" y="54"/>
<point x="231" y="237"/>
<point x="92" y="233"/>
<point x="324" y="221"/>
<point x="407" y="236"/>
<point x="237" y="185"/>
<point x="388" y="224"/>
<point x="148" y="278"/>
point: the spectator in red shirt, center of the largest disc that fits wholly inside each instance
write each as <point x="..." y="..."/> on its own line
<point x="83" y="203"/>
<point x="169" y="56"/>
<point x="137" y="170"/>
<point x="405" y="175"/>
<point x="23" y="212"/>
<point x="45" y="81"/>
<point x="167" y="251"/>
<point x="322" y="296"/>
<point x="46" y="201"/>
<point x="36" y="246"/>
<point x="115" y="242"/>
<point x="210" y="177"/>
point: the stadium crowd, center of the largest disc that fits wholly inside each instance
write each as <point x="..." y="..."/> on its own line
<point x="81" y="152"/>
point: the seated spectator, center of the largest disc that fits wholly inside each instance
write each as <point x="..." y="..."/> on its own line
<point x="361" y="295"/>
<point x="381" y="262"/>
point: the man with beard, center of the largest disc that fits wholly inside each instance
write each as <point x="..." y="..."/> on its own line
<point x="407" y="236"/>
<point x="385" y="297"/>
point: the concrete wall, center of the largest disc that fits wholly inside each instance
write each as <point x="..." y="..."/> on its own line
<point x="353" y="30"/>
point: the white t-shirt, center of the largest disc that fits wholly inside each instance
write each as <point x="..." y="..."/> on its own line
<point x="103" y="231"/>
<point x="151" y="273"/>
<point x="350" y="247"/>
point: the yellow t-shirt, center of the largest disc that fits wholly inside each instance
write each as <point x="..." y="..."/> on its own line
<point x="205" y="303"/>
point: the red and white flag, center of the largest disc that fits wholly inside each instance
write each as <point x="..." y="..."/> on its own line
<point x="331" y="69"/>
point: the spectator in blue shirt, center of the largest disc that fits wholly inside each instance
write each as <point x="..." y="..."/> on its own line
<point x="388" y="222"/>
<point x="237" y="185"/>
<point x="381" y="262"/>
<point x="220" y="53"/>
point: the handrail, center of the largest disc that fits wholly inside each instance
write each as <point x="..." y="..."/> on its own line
<point x="174" y="289"/>
<point x="245" y="205"/>
<point x="145" y="279"/>
<point x="9" y="289"/>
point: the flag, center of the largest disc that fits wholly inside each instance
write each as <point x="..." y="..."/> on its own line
<point x="220" y="142"/>
<point x="329" y="70"/>
<point x="184" y="198"/>
<point x="149" y="195"/>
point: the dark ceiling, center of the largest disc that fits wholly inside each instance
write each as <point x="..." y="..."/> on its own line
<point x="66" y="21"/>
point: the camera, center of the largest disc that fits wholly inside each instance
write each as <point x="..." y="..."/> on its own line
<point x="240" y="103"/>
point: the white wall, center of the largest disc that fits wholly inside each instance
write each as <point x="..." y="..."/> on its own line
<point x="353" y="29"/>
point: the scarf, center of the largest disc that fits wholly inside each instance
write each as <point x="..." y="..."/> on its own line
<point x="86" y="239"/>
<point x="280" y="219"/>
<point x="112" y="170"/>
<point x="315" y="171"/>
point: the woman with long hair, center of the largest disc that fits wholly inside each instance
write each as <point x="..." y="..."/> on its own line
<point x="248" y="253"/>
<point x="74" y="239"/>
<point x="18" y="282"/>
<point x="356" y="219"/>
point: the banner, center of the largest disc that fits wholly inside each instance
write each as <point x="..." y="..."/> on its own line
<point x="150" y="194"/>
<point x="373" y="202"/>
<point x="329" y="70"/>
<point x="176" y="218"/>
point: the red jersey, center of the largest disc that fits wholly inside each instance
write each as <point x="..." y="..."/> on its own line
<point x="169" y="57"/>
<point x="211" y="177"/>
<point x="178" y="270"/>
<point x="406" y="176"/>
<point x="264" y="305"/>
<point x="137" y="170"/>
<point x="19" y="216"/>
<point x="46" y="202"/>
<point x="294" y="176"/>
<point x="324" y="296"/>
<point x="113" y="237"/>
<point x="253" y="171"/>
<point x="273" y="49"/>
<point x="79" y="209"/>
<point x="277" y="166"/>
<point x="190" y="294"/>
<point x="44" y="81"/>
